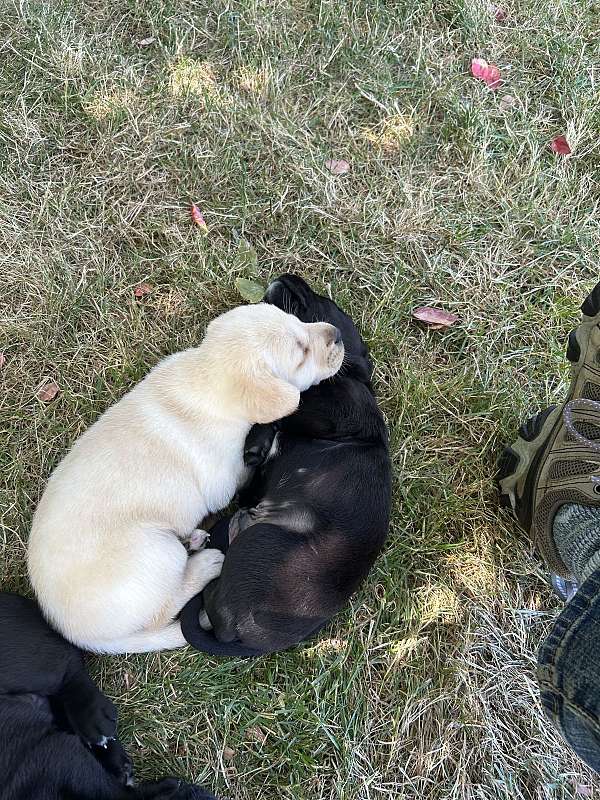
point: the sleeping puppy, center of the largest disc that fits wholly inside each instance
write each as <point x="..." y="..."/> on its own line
<point x="106" y="555"/>
<point x="314" y="517"/>
<point x="58" y="732"/>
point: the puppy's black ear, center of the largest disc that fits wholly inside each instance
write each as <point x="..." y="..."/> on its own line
<point x="290" y="293"/>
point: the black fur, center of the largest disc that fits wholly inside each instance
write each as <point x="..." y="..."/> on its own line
<point x="53" y="719"/>
<point x="314" y="517"/>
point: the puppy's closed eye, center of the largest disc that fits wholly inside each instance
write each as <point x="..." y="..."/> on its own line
<point x="304" y="348"/>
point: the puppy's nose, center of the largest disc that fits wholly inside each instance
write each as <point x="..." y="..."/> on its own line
<point x="336" y="336"/>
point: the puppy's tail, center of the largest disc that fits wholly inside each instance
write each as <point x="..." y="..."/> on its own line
<point x="206" y="641"/>
<point x="168" y="638"/>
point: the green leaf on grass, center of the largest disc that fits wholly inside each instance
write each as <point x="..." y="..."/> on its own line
<point x="246" y="257"/>
<point x="251" y="291"/>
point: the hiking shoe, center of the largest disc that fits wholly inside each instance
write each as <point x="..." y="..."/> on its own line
<point x="556" y="458"/>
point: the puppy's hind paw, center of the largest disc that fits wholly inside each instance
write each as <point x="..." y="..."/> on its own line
<point x="198" y="539"/>
<point x="209" y="562"/>
<point x="204" y="621"/>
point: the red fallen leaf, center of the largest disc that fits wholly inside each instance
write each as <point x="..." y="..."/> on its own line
<point x="47" y="391"/>
<point x="337" y="166"/>
<point x="142" y="289"/>
<point x="488" y="73"/>
<point x="198" y="219"/>
<point x="477" y="67"/>
<point x="500" y="14"/>
<point x="2" y="360"/>
<point x="435" y="317"/>
<point x="560" y="145"/>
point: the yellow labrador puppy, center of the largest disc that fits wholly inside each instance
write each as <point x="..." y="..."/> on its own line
<point x="106" y="554"/>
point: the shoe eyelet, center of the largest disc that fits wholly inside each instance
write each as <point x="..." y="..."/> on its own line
<point x="597" y="488"/>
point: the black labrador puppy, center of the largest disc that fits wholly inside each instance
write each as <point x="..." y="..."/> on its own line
<point x="57" y="730"/>
<point x="316" y="513"/>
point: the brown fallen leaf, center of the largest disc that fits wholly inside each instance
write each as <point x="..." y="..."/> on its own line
<point x="47" y="391"/>
<point x="500" y="14"/>
<point x="142" y="289"/>
<point x="255" y="733"/>
<point x="436" y="318"/>
<point x="337" y="166"/>
<point x="507" y="102"/>
<point x="2" y="360"/>
<point x="228" y="754"/>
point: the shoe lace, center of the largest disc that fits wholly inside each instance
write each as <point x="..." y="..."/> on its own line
<point x="577" y="405"/>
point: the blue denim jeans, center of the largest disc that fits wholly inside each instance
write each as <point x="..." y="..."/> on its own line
<point x="569" y="672"/>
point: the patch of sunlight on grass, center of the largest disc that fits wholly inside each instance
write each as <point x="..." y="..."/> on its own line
<point x="392" y="133"/>
<point x="327" y="646"/>
<point x="107" y="103"/>
<point x="470" y="571"/>
<point x="404" y="648"/>
<point x="198" y="79"/>
<point x="251" y="80"/>
<point x="438" y="604"/>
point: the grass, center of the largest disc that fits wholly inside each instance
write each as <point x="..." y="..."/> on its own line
<point x="425" y="687"/>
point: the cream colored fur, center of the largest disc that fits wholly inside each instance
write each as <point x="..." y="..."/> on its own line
<point x="106" y="555"/>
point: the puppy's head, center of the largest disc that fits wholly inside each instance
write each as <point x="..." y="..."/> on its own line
<point x="263" y="358"/>
<point x="294" y="295"/>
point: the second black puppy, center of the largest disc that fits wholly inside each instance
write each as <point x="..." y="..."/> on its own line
<point x="58" y="731"/>
<point x="316" y="514"/>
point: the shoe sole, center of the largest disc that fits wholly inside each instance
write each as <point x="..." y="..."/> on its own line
<point x="520" y="460"/>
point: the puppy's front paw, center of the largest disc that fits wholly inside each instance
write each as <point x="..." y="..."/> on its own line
<point x="92" y="716"/>
<point x="258" y="444"/>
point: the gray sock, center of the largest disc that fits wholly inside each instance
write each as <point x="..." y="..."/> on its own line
<point x="576" y="532"/>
